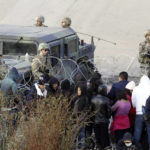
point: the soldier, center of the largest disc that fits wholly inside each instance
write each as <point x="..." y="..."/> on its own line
<point x="1" y="59"/>
<point x="3" y="68"/>
<point x="39" y="22"/>
<point x="144" y="53"/>
<point x="40" y="63"/>
<point x="66" y="22"/>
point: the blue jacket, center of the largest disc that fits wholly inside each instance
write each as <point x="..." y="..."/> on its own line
<point x="115" y="88"/>
<point x="9" y="84"/>
<point x="32" y="94"/>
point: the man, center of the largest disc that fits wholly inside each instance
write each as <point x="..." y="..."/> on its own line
<point x="9" y="86"/>
<point x="101" y="119"/>
<point x="66" y="22"/>
<point x="41" y="64"/>
<point x="144" y="53"/>
<point x="38" y="90"/>
<point x="39" y="22"/>
<point x="116" y="87"/>
<point x="139" y="96"/>
<point x="3" y="68"/>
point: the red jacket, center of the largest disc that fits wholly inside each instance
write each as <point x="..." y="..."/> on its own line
<point x="120" y="123"/>
<point x="132" y="112"/>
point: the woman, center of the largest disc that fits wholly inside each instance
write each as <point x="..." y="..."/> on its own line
<point x="53" y="88"/>
<point x="120" y="123"/>
<point x="80" y="108"/>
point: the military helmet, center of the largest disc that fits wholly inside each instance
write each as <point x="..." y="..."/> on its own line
<point x="40" y="19"/>
<point x="43" y="46"/>
<point x="67" y="21"/>
<point x="147" y="32"/>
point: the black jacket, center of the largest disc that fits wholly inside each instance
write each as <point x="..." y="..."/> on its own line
<point x="51" y="91"/>
<point x="121" y="145"/>
<point x="102" y="108"/>
<point x="81" y="102"/>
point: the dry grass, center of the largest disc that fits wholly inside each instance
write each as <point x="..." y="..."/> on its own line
<point x="50" y="126"/>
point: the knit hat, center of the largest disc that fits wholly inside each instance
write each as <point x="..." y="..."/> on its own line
<point x="130" y="85"/>
<point x="127" y="136"/>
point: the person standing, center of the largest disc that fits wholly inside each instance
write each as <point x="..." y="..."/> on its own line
<point x="3" y="68"/>
<point x="144" y="53"/>
<point x="101" y="120"/>
<point x="66" y="22"/>
<point x="139" y="97"/>
<point x="41" y="63"/>
<point x="39" y="21"/>
<point x="80" y="111"/>
<point x="121" y="123"/>
<point x="9" y="86"/>
<point x="116" y="87"/>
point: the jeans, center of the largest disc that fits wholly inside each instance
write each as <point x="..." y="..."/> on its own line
<point x="80" y="143"/>
<point x="138" y="129"/>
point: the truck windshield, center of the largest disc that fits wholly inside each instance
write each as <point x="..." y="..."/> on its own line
<point x="12" y="48"/>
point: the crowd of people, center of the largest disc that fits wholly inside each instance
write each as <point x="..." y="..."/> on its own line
<point x="121" y="115"/>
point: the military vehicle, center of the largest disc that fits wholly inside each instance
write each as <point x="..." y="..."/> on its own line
<point x="19" y="44"/>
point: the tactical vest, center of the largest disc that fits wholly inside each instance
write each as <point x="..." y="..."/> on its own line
<point x="144" y="53"/>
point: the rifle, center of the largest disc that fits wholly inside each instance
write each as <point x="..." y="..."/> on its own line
<point x="98" y="38"/>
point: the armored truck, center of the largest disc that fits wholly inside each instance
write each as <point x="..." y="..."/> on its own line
<point x="19" y="42"/>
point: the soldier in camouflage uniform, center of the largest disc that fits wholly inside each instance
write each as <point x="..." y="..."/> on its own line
<point x="41" y="63"/>
<point x="3" y="69"/>
<point x="66" y="22"/>
<point x="144" y="53"/>
<point x="39" y="22"/>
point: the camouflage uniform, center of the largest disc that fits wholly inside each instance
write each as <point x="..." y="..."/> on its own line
<point x="40" y="26"/>
<point x="3" y="71"/>
<point x="66" y="22"/>
<point x="39" y="66"/>
<point x="40" y="19"/>
<point x="144" y="54"/>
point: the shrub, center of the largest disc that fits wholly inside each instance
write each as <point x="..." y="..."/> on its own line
<point x="51" y="125"/>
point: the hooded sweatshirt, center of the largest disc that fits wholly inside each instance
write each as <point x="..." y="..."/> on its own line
<point x="121" y="145"/>
<point x="81" y="101"/>
<point x="140" y="94"/>
<point x="50" y="89"/>
<point x="9" y="84"/>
